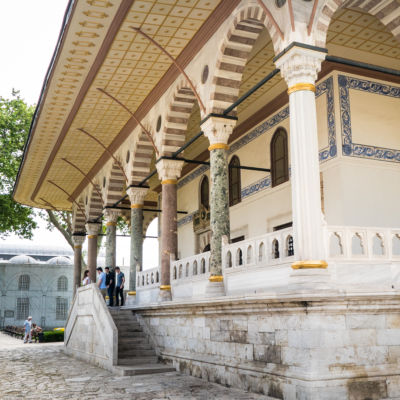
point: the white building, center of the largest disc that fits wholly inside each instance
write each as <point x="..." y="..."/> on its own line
<point x="279" y="230"/>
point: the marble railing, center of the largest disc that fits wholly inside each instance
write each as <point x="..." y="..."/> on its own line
<point x="192" y="268"/>
<point x="150" y="278"/>
<point x="349" y="243"/>
<point x="273" y="249"/>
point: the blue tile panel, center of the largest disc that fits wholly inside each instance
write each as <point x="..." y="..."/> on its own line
<point x="351" y="149"/>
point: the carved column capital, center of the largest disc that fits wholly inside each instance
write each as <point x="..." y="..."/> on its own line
<point x="137" y="195"/>
<point x="92" y="228"/>
<point x="300" y="65"/>
<point x="111" y="215"/>
<point x="78" y="240"/>
<point x="218" y="130"/>
<point x="169" y="170"/>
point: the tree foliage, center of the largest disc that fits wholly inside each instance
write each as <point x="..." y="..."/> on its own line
<point x="15" y="120"/>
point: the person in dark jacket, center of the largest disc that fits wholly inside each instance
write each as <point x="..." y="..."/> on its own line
<point x="110" y="282"/>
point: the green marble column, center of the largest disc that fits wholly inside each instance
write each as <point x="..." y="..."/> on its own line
<point x="111" y="216"/>
<point x="219" y="204"/>
<point x="218" y="129"/>
<point x="136" y="244"/>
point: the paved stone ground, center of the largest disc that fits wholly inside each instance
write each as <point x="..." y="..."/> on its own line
<point x="40" y="371"/>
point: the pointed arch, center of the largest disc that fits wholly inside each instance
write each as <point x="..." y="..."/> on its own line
<point x="93" y="203"/>
<point x="113" y="185"/>
<point x="175" y="127"/>
<point x="141" y="157"/>
<point x="78" y="218"/>
<point x="234" y="54"/>
<point x="387" y="11"/>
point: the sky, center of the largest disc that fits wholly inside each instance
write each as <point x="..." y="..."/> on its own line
<point x="29" y="31"/>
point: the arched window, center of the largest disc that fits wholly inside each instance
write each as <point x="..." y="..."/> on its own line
<point x="234" y="182"/>
<point x="62" y="284"/>
<point x="205" y="193"/>
<point x="24" y="282"/>
<point x="279" y="158"/>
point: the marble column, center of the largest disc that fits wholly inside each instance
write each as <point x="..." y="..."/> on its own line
<point x="136" y="196"/>
<point x="92" y="229"/>
<point x="218" y="130"/>
<point x="111" y="216"/>
<point x="78" y="241"/>
<point x="300" y="67"/>
<point x="168" y="171"/>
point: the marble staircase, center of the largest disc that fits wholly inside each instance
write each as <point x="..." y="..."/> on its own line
<point x="135" y="353"/>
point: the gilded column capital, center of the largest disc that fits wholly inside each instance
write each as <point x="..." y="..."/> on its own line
<point x="300" y="66"/>
<point x="92" y="228"/>
<point x="78" y="240"/>
<point x="218" y="130"/>
<point x="137" y="196"/>
<point x="169" y="170"/>
<point x="111" y="215"/>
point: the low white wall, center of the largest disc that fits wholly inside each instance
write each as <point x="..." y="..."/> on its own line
<point x="90" y="333"/>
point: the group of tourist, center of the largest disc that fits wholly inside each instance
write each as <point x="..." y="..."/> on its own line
<point x="108" y="283"/>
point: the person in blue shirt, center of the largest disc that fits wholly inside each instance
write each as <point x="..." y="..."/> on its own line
<point x="102" y="282"/>
<point x="120" y="286"/>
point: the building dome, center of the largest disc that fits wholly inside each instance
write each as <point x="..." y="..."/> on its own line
<point x="59" y="261"/>
<point x="23" y="260"/>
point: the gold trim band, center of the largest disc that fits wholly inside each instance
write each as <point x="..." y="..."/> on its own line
<point x="169" y="182"/>
<point x="77" y="247"/>
<point x="136" y="205"/>
<point x="132" y="293"/>
<point x="310" y="264"/>
<point x="301" y="86"/>
<point x="216" y="278"/>
<point x="165" y="287"/>
<point x="92" y="236"/>
<point x="218" y="146"/>
<point x="111" y="224"/>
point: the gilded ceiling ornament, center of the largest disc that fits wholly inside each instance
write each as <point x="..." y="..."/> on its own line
<point x="80" y="52"/>
<point x="77" y="60"/>
<point x="87" y="34"/>
<point x="69" y="66"/>
<point x="99" y="3"/>
<point x="95" y="14"/>
<point x="89" y="24"/>
<point x="83" y="43"/>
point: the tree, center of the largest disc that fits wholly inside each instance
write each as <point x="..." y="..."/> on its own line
<point x="15" y="120"/>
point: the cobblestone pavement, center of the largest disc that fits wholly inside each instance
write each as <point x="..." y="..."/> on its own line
<point x="39" y="371"/>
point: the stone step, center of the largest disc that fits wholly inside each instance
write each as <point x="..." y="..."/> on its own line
<point x="124" y="329"/>
<point x="124" y="323"/>
<point x="131" y="335"/>
<point x="135" y="353"/>
<point x="135" y="346"/>
<point x="137" y="360"/>
<point x="142" y="369"/>
<point x="128" y="341"/>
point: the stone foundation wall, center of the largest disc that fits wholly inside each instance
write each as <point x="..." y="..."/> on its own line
<point x="343" y="347"/>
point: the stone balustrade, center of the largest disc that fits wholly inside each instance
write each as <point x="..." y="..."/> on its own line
<point x="148" y="285"/>
<point x="149" y="277"/>
<point x="271" y="249"/>
<point x="349" y="243"/>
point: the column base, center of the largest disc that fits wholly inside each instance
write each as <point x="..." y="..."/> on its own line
<point x="130" y="299"/>
<point x="164" y="295"/>
<point x="310" y="279"/>
<point x="216" y="287"/>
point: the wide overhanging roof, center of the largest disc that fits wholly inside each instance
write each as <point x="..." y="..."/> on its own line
<point x="97" y="48"/>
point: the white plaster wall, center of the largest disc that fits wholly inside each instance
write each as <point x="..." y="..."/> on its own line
<point x="357" y="191"/>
